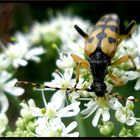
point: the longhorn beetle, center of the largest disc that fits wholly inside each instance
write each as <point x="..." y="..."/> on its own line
<point x="100" y="47"/>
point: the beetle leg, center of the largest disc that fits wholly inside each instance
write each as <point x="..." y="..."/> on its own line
<point x="130" y="29"/>
<point x="81" y="32"/>
<point x="123" y="59"/>
<point x="83" y="63"/>
<point x="124" y="98"/>
<point x="117" y="81"/>
<point x="80" y="63"/>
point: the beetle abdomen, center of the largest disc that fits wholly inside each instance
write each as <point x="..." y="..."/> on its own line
<point x="104" y="35"/>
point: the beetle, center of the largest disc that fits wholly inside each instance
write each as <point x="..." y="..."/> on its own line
<point x="100" y="47"/>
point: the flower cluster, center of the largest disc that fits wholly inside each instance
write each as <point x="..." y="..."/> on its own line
<point x="12" y="56"/>
<point x="45" y="122"/>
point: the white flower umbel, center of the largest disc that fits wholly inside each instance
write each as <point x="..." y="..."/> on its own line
<point x="125" y="114"/>
<point x="19" y="52"/>
<point x="48" y="120"/>
<point x="55" y="128"/>
<point x="101" y="105"/>
<point x="58" y="27"/>
<point x="16" y="51"/>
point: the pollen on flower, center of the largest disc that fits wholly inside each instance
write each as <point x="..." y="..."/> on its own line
<point x="102" y="102"/>
<point x="50" y="112"/>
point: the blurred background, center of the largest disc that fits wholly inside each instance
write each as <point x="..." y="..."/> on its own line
<point x="20" y="16"/>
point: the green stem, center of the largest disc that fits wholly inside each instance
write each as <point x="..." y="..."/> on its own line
<point x="80" y="127"/>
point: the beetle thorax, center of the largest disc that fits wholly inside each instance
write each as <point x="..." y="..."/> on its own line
<point x="98" y="65"/>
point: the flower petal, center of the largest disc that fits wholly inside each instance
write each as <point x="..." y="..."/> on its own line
<point x="69" y="111"/>
<point x="137" y="85"/>
<point x="10" y="88"/>
<point x="75" y="134"/>
<point x="114" y="103"/>
<point x="105" y="115"/>
<point x="96" y="117"/>
<point x="4" y="104"/>
<point x="70" y="127"/>
<point x="131" y="121"/>
<point x="89" y="110"/>
<point x="58" y="99"/>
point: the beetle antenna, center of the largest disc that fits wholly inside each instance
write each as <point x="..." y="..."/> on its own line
<point x="42" y="86"/>
<point x="81" y="32"/>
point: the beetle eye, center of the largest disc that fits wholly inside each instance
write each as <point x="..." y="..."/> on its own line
<point x="90" y="39"/>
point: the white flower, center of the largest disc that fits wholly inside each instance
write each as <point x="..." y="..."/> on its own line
<point x="65" y="61"/>
<point x="19" y="52"/>
<point x="49" y="119"/>
<point x="3" y="123"/>
<point x="101" y="106"/>
<point x="52" y="110"/>
<point x="33" y="53"/>
<point x="57" y="28"/>
<point x="15" y="54"/>
<point x="62" y="80"/>
<point x="74" y="47"/>
<point x="55" y="128"/>
<point x="7" y="85"/>
<point x="27" y="109"/>
<point x="65" y="33"/>
<point x="125" y="114"/>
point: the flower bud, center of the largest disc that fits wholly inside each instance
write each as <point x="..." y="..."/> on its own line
<point x="107" y="129"/>
<point x="20" y="123"/>
<point x="137" y="129"/>
<point x="125" y="132"/>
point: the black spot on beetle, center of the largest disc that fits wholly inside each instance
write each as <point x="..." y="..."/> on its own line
<point x="90" y="40"/>
<point x="101" y="35"/>
<point x="111" y="40"/>
<point x="113" y="28"/>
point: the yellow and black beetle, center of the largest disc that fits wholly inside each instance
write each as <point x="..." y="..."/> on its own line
<point x="100" y="47"/>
